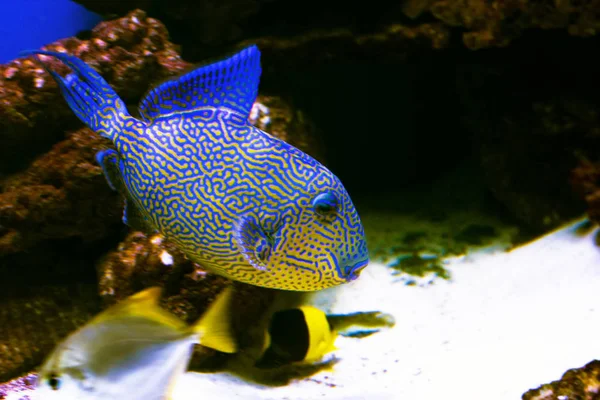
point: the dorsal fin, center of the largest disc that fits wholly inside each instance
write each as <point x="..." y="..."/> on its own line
<point x="145" y="305"/>
<point x="231" y="83"/>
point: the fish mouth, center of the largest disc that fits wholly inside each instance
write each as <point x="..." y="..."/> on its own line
<point x="353" y="271"/>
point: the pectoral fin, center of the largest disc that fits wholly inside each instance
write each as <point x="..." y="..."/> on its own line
<point x="132" y="216"/>
<point x="109" y="161"/>
<point x="254" y="243"/>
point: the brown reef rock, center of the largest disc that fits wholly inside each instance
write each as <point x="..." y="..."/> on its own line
<point x="497" y="23"/>
<point x="207" y="21"/>
<point x="576" y="384"/>
<point x="62" y="194"/>
<point x="19" y="388"/>
<point x="481" y="23"/>
<point x="531" y="121"/>
<point x="391" y="43"/>
<point x="585" y="179"/>
<point x="289" y="33"/>
<point x="130" y="53"/>
<point x="34" y="319"/>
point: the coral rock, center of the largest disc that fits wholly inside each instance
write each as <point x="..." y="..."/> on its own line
<point x="578" y="383"/>
<point x="130" y="53"/>
<point x="394" y="43"/>
<point x="19" y="388"/>
<point x="63" y="194"/>
<point x="497" y="23"/>
<point x="206" y="22"/>
<point x="279" y="117"/>
<point x="585" y="179"/>
<point x="35" y="319"/>
<point x="531" y="121"/>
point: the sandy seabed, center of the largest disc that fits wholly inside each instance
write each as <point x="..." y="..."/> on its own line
<point x="505" y="322"/>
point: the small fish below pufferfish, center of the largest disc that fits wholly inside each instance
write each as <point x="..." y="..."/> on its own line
<point x="133" y="350"/>
<point x="305" y="335"/>
<point x="234" y="199"/>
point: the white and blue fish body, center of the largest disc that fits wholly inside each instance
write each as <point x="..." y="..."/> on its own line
<point x="134" y="350"/>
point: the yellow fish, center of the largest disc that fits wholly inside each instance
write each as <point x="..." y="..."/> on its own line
<point x="306" y="334"/>
<point x="300" y="334"/>
<point x="133" y="350"/>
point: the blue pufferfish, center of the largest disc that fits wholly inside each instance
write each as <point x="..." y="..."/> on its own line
<point x="234" y="199"/>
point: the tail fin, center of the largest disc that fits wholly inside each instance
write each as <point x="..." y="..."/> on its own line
<point x="87" y="93"/>
<point x="214" y="327"/>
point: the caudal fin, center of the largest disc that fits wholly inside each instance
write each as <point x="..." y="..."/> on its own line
<point x="90" y="97"/>
<point x="214" y="327"/>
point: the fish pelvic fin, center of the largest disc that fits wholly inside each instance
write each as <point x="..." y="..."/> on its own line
<point x="214" y="327"/>
<point x="253" y="242"/>
<point x="230" y="83"/>
<point x="133" y="217"/>
<point x="90" y="97"/>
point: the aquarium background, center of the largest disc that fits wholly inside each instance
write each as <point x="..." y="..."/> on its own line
<point x="467" y="134"/>
<point x="37" y="22"/>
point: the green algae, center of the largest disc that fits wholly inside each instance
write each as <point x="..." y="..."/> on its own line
<point x="414" y="232"/>
<point x="363" y="319"/>
<point x="420" y="266"/>
<point x="477" y="234"/>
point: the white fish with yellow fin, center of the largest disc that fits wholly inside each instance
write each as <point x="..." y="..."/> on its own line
<point x="133" y="350"/>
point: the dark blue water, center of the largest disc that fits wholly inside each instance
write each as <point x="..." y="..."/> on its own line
<point x="34" y="23"/>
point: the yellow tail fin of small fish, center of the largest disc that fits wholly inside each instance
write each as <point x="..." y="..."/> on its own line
<point x="214" y="327"/>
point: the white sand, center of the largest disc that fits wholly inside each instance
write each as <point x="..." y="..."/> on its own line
<point x="505" y="323"/>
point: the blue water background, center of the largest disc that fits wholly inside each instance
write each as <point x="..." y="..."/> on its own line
<point x="31" y="24"/>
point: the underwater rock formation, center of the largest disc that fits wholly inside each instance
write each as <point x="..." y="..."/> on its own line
<point x="577" y="383"/>
<point x="206" y="22"/>
<point x="481" y="24"/>
<point x="278" y="116"/>
<point x="62" y="194"/>
<point x="497" y="23"/>
<point x="585" y="179"/>
<point x="288" y="33"/>
<point x="531" y="121"/>
<point x="393" y="42"/>
<point x="131" y="53"/>
<point x="33" y="319"/>
<point x="22" y="385"/>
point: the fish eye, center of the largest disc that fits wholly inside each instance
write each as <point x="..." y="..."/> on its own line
<point x="325" y="204"/>
<point x="54" y="381"/>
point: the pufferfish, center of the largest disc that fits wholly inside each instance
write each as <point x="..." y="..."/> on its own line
<point x="133" y="350"/>
<point x="236" y="200"/>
